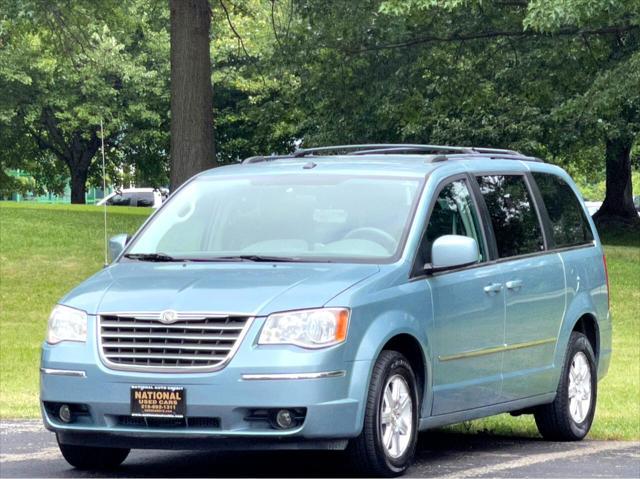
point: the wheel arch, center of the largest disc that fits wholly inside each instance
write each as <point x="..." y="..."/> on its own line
<point x="580" y="316"/>
<point x="407" y="345"/>
<point x="588" y="325"/>
<point x="400" y="332"/>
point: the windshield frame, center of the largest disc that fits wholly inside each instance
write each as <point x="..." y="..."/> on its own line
<point x="402" y="242"/>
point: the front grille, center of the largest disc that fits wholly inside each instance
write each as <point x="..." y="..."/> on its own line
<point x="192" y="342"/>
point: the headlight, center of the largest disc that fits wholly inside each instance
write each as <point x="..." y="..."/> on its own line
<point x="66" y="324"/>
<point x="310" y="328"/>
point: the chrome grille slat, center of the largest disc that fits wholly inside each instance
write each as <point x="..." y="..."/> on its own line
<point x="194" y="347"/>
<point x="194" y="342"/>
<point x="149" y="324"/>
<point x="190" y="337"/>
<point x="202" y="357"/>
<point x="181" y="316"/>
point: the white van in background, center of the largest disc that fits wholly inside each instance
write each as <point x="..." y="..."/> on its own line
<point x="143" y="197"/>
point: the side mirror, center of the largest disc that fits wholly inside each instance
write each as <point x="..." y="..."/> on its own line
<point x="453" y="251"/>
<point x="117" y="243"/>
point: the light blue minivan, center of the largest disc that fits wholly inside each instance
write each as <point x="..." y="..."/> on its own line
<point x="338" y="298"/>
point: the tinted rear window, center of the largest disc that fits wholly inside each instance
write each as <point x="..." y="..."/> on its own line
<point x="568" y="221"/>
<point x="120" y="200"/>
<point x="513" y="215"/>
<point x="145" y="198"/>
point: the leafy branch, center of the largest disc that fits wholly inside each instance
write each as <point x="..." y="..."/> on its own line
<point x="460" y="37"/>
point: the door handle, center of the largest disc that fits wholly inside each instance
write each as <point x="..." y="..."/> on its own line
<point x="493" y="288"/>
<point x="514" y="284"/>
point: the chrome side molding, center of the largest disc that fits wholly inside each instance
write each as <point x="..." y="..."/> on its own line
<point x="281" y="376"/>
<point x="64" y="372"/>
<point x="498" y="349"/>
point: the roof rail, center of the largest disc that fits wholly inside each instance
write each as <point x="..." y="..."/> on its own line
<point x="381" y="148"/>
<point x="260" y="159"/>
<point x="398" y="148"/>
<point x="496" y="150"/>
<point x="515" y="156"/>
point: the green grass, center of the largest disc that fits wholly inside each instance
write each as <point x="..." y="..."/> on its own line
<point x="46" y="250"/>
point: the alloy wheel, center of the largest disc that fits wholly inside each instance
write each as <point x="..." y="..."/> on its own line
<point x="579" y="387"/>
<point x="396" y="416"/>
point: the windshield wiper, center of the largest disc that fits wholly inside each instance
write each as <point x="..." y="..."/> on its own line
<point x="152" y="257"/>
<point x="258" y="258"/>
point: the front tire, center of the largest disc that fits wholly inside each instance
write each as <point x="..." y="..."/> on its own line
<point x="570" y="415"/>
<point x="389" y="436"/>
<point x="93" y="458"/>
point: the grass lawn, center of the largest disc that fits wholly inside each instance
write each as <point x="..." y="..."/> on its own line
<point x="46" y="250"/>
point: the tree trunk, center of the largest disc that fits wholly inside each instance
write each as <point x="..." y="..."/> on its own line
<point x="618" y="202"/>
<point x="192" y="141"/>
<point x="78" y="184"/>
<point x="81" y="151"/>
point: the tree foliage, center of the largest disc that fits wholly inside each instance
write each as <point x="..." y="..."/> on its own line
<point x="64" y="66"/>
<point x="68" y="66"/>
<point x="552" y="78"/>
<point x="555" y="78"/>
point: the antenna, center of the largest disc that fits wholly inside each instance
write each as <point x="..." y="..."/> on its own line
<point x="104" y="194"/>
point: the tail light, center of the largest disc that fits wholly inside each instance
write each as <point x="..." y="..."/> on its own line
<point x="606" y="275"/>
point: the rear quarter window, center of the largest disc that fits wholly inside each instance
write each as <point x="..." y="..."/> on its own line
<point x="569" y="224"/>
<point x="145" y="199"/>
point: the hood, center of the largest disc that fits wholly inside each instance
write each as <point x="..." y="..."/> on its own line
<point x="244" y="288"/>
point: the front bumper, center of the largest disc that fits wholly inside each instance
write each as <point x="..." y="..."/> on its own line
<point x="258" y="377"/>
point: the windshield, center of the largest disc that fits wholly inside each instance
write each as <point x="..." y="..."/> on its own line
<point x="288" y="217"/>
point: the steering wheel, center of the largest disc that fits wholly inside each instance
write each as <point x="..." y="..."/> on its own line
<point x="376" y="235"/>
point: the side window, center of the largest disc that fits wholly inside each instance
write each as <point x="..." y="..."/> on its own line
<point x="513" y="215"/>
<point x="453" y="214"/>
<point x="568" y="222"/>
<point x="145" y="199"/>
<point x="121" y="199"/>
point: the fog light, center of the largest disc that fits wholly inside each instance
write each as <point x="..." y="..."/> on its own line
<point x="284" y="419"/>
<point x="64" y="413"/>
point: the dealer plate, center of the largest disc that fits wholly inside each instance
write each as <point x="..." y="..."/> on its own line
<point x="166" y="401"/>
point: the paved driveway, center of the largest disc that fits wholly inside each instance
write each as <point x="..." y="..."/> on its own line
<point x="27" y="450"/>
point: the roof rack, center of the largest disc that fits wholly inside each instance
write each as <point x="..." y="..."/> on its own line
<point x="382" y="148"/>
<point x="516" y="156"/>
<point x="398" y="148"/>
<point x="260" y="159"/>
<point x="496" y="150"/>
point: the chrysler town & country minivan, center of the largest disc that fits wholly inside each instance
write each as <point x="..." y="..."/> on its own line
<point x="338" y="298"/>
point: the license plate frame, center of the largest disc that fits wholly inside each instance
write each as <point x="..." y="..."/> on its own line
<point x="158" y="401"/>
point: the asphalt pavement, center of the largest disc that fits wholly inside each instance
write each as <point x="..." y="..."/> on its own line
<point x="27" y="450"/>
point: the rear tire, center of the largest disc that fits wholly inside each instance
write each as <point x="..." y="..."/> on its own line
<point x="93" y="458"/>
<point x="570" y="415"/>
<point x="387" y="443"/>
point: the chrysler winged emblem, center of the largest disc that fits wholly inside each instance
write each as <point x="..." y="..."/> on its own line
<point x="169" y="316"/>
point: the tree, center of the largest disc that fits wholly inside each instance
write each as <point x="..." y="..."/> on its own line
<point x="603" y="108"/>
<point x="192" y="142"/>
<point x="65" y="67"/>
<point x="474" y="72"/>
<point x="255" y="106"/>
<point x="84" y="62"/>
